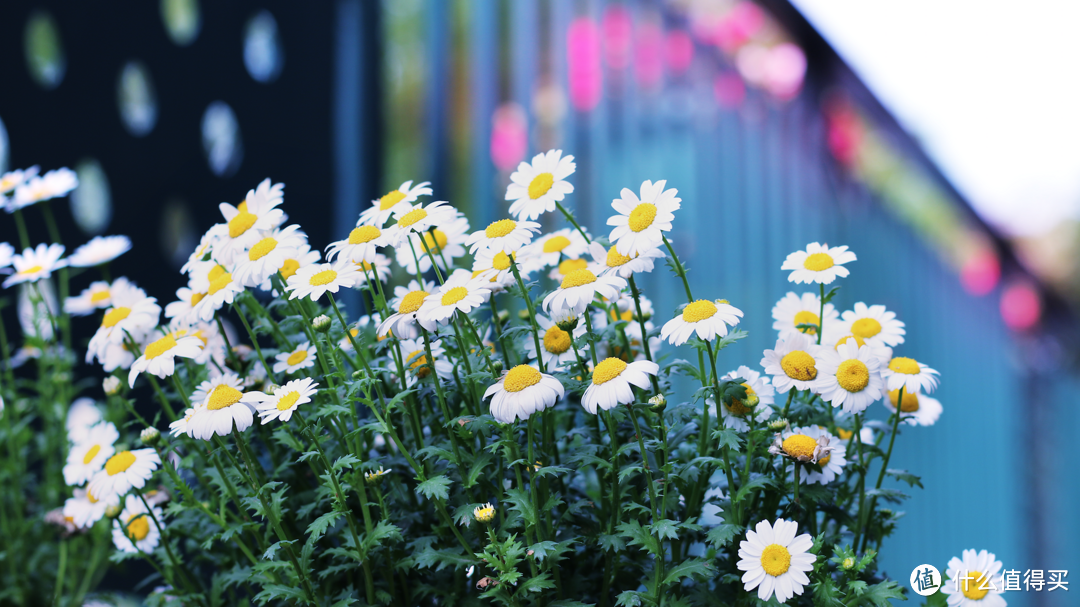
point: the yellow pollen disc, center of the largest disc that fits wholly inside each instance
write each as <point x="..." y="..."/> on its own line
<point x="364" y="234"/>
<point x="807" y="318"/>
<point x="215" y="273"/>
<point x="556" y="244"/>
<point x="616" y="259"/>
<point x="521" y="377"/>
<point x="32" y="270"/>
<point x="911" y="401"/>
<point x="91" y="453"/>
<point x="454" y="295"/>
<point x="698" y="311"/>
<point x="138" y="527"/>
<point x="261" y="248"/>
<point x="500" y="228"/>
<point x="322" y="278"/>
<point x="904" y="365"/>
<point x="288" y="401"/>
<point x="866" y="327"/>
<point x="540" y="185"/>
<point x="419" y="361"/>
<point x="242" y="207"/>
<point x="556" y="340"/>
<point x="852" y="375"/>
<point x="241" y="223"/>
<point x="90" y="497"/>
<point x="437" y="243"/>
<point x="971" y="584"/>
<point x="607" y="370"/>
<point x="412" y="302"/>
<point x="844" y="433"/>
<point x="296" y="358"/>
<point x="98" y="297"/>
<point x="569" y="265"/>
<point x="858" y="340"/>
<point x="800" y="445"/>
<point x="114" y="316"/>
<point x="501" y="261"/>
<point x="196" y="298"/>
<point x="160" y="347"/>
<point x="223" y="396"/>
<point x="822" y="461"/>
<point x="818" y="262"/>
<point x="736" y="406"/>
<point x="799" y="365"/>
<point x="578" y="278"/>
<point x="119" y="463"/>
<point x="775" y="560"/>
<point x="290" y="268"/>
<point x="391" y="198"/>
<point x="642" y="216"/>
<point x="220" y="283"/>
<point x="365" y="266"/>
<point x="411" y="218"/>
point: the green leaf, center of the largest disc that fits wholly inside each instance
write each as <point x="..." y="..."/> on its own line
<point x="611" y="543"/>
<point x="880" y="595"/>
<point x="692" y="567"/>
<point x="889" y="495"/>
<point x="346" y="461"/>
<point x="522" y="502"/>
<point x="727" y="438"/>
<point x="477" y="468"/>
<point x="718" y="537"/>
<point x="665" y="528"/>
<point x="758" y="483"/>
<point x="905" y="476"/>
<point x="435" y="488"/>
<point x="628" y="598"/>
<point x="278" y="592"/>
<point x="382" y="531"/>
<point x="637" y="536"/>
<point x="319" y="526"/>
<point x="272" y="550"/>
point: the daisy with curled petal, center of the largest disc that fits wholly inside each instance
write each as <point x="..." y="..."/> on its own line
<point x="916" y="409"/>
<point x="123" y="471"/>
<point x="775" y="560"/>
<point x="445" y="241"/>
<point x="94" y="297"/>
<point x="82" y="415"/>
<point x="394" y="200"/>
<point x="461" y="292"/>
<point x="971" y="580"/>
<point x="13" y="179"/>
<point x="361" y="244"/>
<point x="183" y="425"/>
<point x="406" y="303"/>
<point x="611" y="381"/>
<point x="301" y="357"/>
<point x="53" y="184"/>
<point x="506" y="235"/>
<point x="830" y="465"/>
<point x="136" y="529"/>
<point x="550" y="248"/>
<point x="874" y="324"/>
<point x="640" y="223"/>
<point x="223" y="289"/>
<point x="285" y="399"/>
<point x="555" y="343"/>
<point x="158" y="358"/>
<point x="760" y="396"/>
<point x="793" y="310"/>
<point x="522" y="391"/>
<point x="419" y="219"/>
<point x="818" y="263"/>
<point x="578" y="290"/>
<point x="417" y="366"/>
<point x="849" y="376"/>
<point x="305" y="256"/>
<point x="536" y="186"/>
<point x="84" y="509"/>
<point x="610" y="261"/>
<point x="378" y="268"/>
<point x="100" y="249"/>
<point x="221" y="410"/>
<point x="910" y="374"/>
<point x="708" y="319"/>
<point x="245" y="222"/>
<point x="89" y="455"/>
<point x="268" y="254"/>
<point x="34" y="264"/>
<point x="315" y="280"/>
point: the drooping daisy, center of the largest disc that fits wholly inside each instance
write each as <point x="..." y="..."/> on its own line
<point x="611" y="381"/>
<point x="159" y="356"/>
<point x="123" y="471"/>
<point x="13" y="179"/>
<point x="378" y="269"/>
<point x="874" y="323"/>
<point x="94" y="297"/>
<point x="760" y="396"/>
<point x="88" y="455"/>
<point x="640" y="223"/>
<point x="285" y="399"/>
<point x="82" y="415"/>
<point x="461" y="292"/>
<point x="100" y="249"/>
<point x="610" y="261"/>
<point x="223" y="289"/>
<point x="792" y="363"/>
<point x="535" y="187"/>
<point x="136" y="529"/>
<point x="268" y="255"/>
<point x="37" y="263"/>
<point x="361" y="244"/>
<point x="419" y="219"/>
<point x="418" y="367"/>
<point x="849" y="376"/>
<point x="916" y="409"/>
<point x="831" y="464"/>
<point x="708" y="319"/>
<point x="84" y="509"/>
<point x="53" y="184"/>
<point x="974" y="580"/>
<point x="406" y="303"/>
<point x="506" y="235"/>
<point x="793" y="310"/>
<point x="555" y="344"/>
<point x="522" y="391"/>
<point x="911" y="374"/>
<point x="578" y="290"/>
<point x="775" y="560"/>
<point x="818" y="263"/>
<point x="445" y="241"/>
<point x="301" y="357"/>
<point x="221" y="410"/>
<point x="315" y="280"/>
<point x="245" y="223"/>
<point x="394" y="200"/>
<point x="550" y="248"/>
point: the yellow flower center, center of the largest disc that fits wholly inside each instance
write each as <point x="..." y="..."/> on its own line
<point x="569" y="265"/>
<point x="90" y="497"/>
<point x="521" y="377"/>
<point x="698" y="311"/>
<point x="556" y="340"/>
<point x="775" y="560"/>
<point x="500" y="228"/>
<point x="807" y="318"/>
<point x="215" y="272"/>
<point x="32" y="270"/>
<point x="412" y="302"/>
<point x="799" y="365"/>
<point x="91" y="453"/>
<point x="391" y="198"/>
<point x="736" y="406"/>
<point x="322" y="278"/>
<point x="858" y="340"/>
<point x="500" y="262"/>
<point x="866" y="327"/>
<point x="99" y="296"/>
<point x="220" y="283"/>
<point x="454" y="295"/>
<point x="852" y="375"/>
<point x="242" y="207"/>
<point x="261" y="248"/>
<point x="642" y="216"/>
<point x="114" y="316"/>
<point x="364" y="234"/>
<point x="241" y="223"/>
<point x="817" y="262"/>
<point x="411" y="218"/>
<point x="578" y="278"/>
<point x="223" y="396"/>
<point x="417" y="365"/>
<point x="138" y="527"/>
<point x="540" y="185"/>
<point x="290" y="268"/>
<point x="974" y="586"/>
<point x="800" y="445"/>
<point x="844" y="433"/>
<point x="607" y="370"/>
<point x="904" y="365"/>
<point x="160" y="347"/>
<point x="296" y="358"/>
<point x="437" y="243"/>
<point x="823" y="460"/>
<point x="288" y="401"/>
<point x="555" y="244"/>
<point x="196" y="298"/>
<point x="119" y="463"/>
<point x="910" y="403"/>
<point x="616" y="259"/>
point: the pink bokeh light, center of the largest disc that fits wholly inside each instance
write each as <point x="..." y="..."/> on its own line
<point x="680" y="51"/>
<point x="1021" y="306"/>
<point x="509" y="136"/>
<point x="981" y="272"/>
<point x="649" y="54"/>
<point x="618" y="36"/>
<point x="583" y="59"/>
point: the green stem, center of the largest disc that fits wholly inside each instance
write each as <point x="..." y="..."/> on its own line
<point x="254" y="340"/>
<point x="821" y="313"/>
<point x="570" y="218"/>
<point x="884" y="468"/>
<point x="532" y="313"/>
<point x="59" y="586"/>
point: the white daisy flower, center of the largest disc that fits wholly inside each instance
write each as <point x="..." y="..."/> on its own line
<point x="866" y="435"/>
<point x="610" y="261"/>
<point x="37" y="263"/>
<point x="445" y="242"/>
<point x="611" y="381"/>
<point x="759" y="388"/>
<point x="100" y="249"/>
<point x="245" y="222"/>
<point x="88" y="455"/>
<point x="7" y="254"/>
<point x="183" y="310"/>
<point x="578" y="290"/>
<point x="132" y="313"/>
<point x="566" y="266"/>
<point x="495" y="268"/>
<point x="419" y="218"/>
<point x="849" y="376"/>
<point x="220" y="410"/>
<point x="158" y="356"/>
<point x="268" y="255"/>
<point x="793" y="310"/>
<point x="550" y="248"/>
<point x="378" y="268"/>
<point x="818" y="263"/>
<point x="183" y="425"/>
<point x="82" y="415"/>
<point x="974" y="581"/>
<point x="202" y="251"/>
<point x="315" y="280"/>
<point x="831" y="464"/>
<point x="775" y="560"/>
<point x="911" y="374"/>
<point x="416" y="361"/>
<point x="460" y="293"/>
<point x="13" y="179"/>
<point x="555" y="344"/>
<point x="793" y="363"/>
<point x="304" y="257"/>
<point x="281" y="404"/>
<point x="627" y="312"/>
<point x="361" y="245"/>
<point x="874" y="323"/>
<point x="84" y="509"/>
<point x="123" y="471"/>
<point x="53" y="184"/>
<point x="917" y="409"/>
<point x="394" y="200"/>
<point x="535" y="187"/>
<point x="879" y="350"/>
<point x="301" y="357"/>
<point x="640" y="223"/>
<point x="406" y="303"/>
<point x="223" y="289"/>
<point x="94" y="297"/>
<point x="506" y="235"/>
<point x="213" y="344"/>
<point x="136" y="529"/>
<point x="116" y="356"/>
<point x="203" y="391"/>
<point x="522" y="391"/>
<point x="709" y="319"/>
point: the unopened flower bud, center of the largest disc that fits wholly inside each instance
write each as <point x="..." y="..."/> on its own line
<point x="504" y="315"/>
<point x="113" y="510"/>
<point x="111" y="385"/>
<point x="658" y="401"/>
<point x="567" y="324"/>
<point x="497" y="365"/>
<point x="321" y="323"/>
<point x="777" y="425"/>
<point x="523" y="314"/>
<point x="358" y="374"/>
<point x="375" y="476"/>
<point x="150" y="436"/>
<point x="848" y="563"/>
<point x="485" y="513"/>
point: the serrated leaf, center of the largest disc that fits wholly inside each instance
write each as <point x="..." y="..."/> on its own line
<point x="628" y="598"/>
<point x="889" y="495"/>
<point x="319" y="526"/>
<point x="346" y="461"/>
<point x="636" y="535"/>
<point x="880" y="595"/>
<point x="757" y="483"/>
<point x="719" y="536"/>
<point x="692" y="567"/>
<point x="665" y="528"/>
<point x="273" y="549"/>
<point x="905" y="476"/>
<point x="727" y="438"/>
<point x="435" y="488"/>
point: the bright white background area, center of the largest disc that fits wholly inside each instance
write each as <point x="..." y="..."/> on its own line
<point x="990" y="89"/>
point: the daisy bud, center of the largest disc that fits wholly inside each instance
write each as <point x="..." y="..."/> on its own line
<point x="150" y="436"/>
<point x="113" y="510"/>
<point x="567" y="324"/>
<point x="523" y="314"/>
<point x="658" y="401"/>
<point x="321" y="323"/>
<point x="484" y="514"/>
<point x="111" y="385"/>
<point x="497" y="365"/>
<point x="375" y="476"/>
<point x="504" y="315"/>
<point x="848" y="563"/>
<point x="777" y="425"/>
